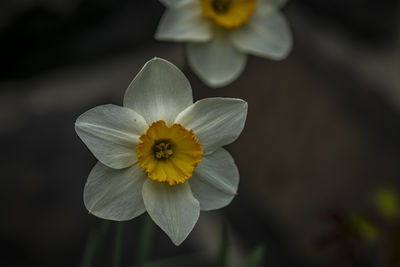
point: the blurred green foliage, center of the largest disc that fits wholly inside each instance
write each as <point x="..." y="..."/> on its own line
<point x="256" y="257"/>
<point x="370" y="237"/>
<point x="366" y="228"/>
<point x="387" y="203"/>
<point x="96" y="241"/>
<point x="145" y="242"/>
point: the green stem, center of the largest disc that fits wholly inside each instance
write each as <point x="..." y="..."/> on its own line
<point x="96" y="239"/>
<point x="145" y="242"/>
<point x="223" y="249"/>
<point x="119" y="237"/>
<point x="256" y="257"/>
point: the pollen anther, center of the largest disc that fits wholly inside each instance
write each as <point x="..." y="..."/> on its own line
<point x="163" y="149"/>
<point x="221" y="6"/>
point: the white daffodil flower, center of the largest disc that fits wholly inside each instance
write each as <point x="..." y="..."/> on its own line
<point x="161" y="153"/>
<point x="219" y="34"/>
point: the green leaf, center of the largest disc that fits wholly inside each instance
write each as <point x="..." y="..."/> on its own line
<point x="256" y="257"/>
<point x="145" y="242"/>
<point x="119" y="237"/>
<point x="223" y="248"/>
<point x="95" y="241"/>
<point x="179" y="261"/>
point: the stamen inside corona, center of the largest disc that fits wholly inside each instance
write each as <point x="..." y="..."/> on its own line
<point x="163" y="149"/>
<point x="169" y="154"/>
<point x="228" y="13"/>
<point x="221" y="6"/>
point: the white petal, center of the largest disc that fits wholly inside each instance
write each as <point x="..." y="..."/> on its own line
<point x="159" y="92"/>
<point x="184" y="23"/>
<point x="215" y="180"/>
<point x="216" y="62"/>
<point x="115" y="194"/>
<point x="172" y="208"/>
<point x="173" y="3"/>
<point x="266" y="35"/>
<point x="111" y="133"/>
<point x="215" y="121"/>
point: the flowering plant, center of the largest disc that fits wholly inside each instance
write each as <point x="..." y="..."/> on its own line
<point x="161" y="153"/>
<point x="219" y="34"/>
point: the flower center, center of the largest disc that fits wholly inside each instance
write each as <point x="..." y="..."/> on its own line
<point x="221" y="6"/>
<point x="163" y="149"/>
<point x="169" y="154"/>
<point x="228" y="13"/>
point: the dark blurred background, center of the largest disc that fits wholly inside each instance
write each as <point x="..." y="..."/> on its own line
<point x="319" y="156"/>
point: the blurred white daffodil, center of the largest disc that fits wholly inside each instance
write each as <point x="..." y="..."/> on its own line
<point x="161" y="153"/>
<point x="219" y="34"/>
